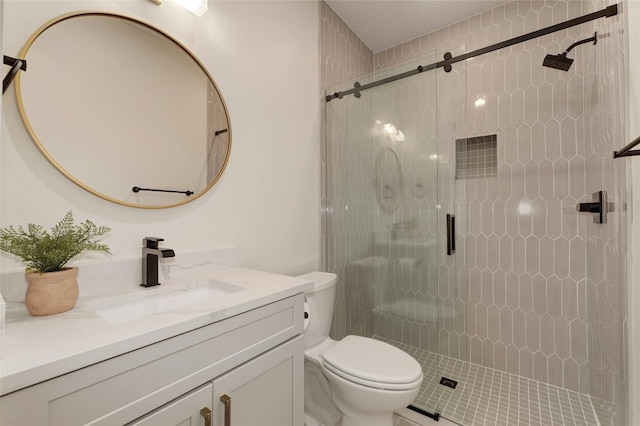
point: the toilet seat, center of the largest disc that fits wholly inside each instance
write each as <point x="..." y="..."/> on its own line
<point x="372" y="363"/>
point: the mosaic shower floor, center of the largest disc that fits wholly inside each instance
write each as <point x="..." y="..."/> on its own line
<point x="485" y="396"/>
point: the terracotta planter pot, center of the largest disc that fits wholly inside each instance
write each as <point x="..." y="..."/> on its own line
<point x="52" y="292"/>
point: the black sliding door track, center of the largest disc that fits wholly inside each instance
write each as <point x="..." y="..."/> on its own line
<point x="449" y="59"/>
<point x="435" y="416"/>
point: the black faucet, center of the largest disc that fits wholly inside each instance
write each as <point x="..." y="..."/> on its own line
<point x="150" y="255"/>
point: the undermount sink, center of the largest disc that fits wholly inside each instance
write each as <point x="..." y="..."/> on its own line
<point x="166" y="298"/>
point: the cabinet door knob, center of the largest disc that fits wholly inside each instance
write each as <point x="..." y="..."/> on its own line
<point x="226" y="400"/>
<point x="206" y="413"/>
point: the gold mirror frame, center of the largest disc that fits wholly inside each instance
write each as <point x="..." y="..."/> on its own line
<point x="41" y="147"/>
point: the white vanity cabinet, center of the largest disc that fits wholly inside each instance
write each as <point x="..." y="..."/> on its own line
<point x="189" y="409"/>
<point x="256" y="358"/>
<point x="261" y="392"/>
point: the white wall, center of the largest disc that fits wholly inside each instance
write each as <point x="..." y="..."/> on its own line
<point x="1" y="176"/>
<point x="633" y="18"/>
<point x="264" y="58"/>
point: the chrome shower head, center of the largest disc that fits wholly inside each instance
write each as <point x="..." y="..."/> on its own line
<point x="561" y="62"/>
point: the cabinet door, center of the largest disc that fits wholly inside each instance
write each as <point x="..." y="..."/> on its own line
<point x="266" y="391"/>
<point x="185" y="410"/>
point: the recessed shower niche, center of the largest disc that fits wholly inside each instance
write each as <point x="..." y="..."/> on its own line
<point x="477" y="157"/>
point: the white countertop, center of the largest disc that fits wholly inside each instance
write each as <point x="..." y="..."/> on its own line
<point x="40" y="348"/>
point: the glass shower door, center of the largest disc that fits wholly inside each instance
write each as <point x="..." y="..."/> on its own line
<point x="451" y="293"/>
<point x="383" y="229"/>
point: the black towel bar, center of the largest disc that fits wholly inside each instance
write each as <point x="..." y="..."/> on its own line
<point x="626" y="151"/>
<point x="16" y="65"/>
<point x="138" y="189"/>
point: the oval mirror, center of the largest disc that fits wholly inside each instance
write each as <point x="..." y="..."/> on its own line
<point x="123" y="110"/>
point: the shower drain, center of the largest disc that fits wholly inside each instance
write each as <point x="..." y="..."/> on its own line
<point x="450" y="383"/>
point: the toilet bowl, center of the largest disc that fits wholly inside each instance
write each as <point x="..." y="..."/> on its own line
<point x="356" y="381"/>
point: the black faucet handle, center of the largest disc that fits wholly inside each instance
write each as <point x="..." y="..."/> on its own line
<point x="151" y="242"/>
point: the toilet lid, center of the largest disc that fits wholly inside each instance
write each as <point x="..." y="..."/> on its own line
<point x="372" y="363"/>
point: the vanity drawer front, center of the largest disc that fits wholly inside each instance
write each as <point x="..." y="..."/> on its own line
<point x="123" y="388"/>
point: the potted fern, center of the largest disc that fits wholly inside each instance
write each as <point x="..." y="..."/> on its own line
<point x="52" y="286"/>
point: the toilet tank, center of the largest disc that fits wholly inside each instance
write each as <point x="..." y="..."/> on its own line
<point x="319" y="307"/>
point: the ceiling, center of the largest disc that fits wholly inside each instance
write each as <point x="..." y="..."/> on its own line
<point x="382" y="24"/>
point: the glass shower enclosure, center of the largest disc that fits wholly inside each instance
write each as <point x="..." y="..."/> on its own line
<point x="393" y="197"/>
<point x="452" y="220"/>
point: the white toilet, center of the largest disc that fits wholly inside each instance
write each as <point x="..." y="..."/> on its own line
<point x="356" y="381"/>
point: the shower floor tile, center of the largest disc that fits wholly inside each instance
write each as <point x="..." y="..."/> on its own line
<point x="485" y="396"/>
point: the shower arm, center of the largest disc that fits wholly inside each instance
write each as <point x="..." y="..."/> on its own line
<point x="594" y="39"/>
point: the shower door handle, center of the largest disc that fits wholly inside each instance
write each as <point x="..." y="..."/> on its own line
<point x="451" y="234"/>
